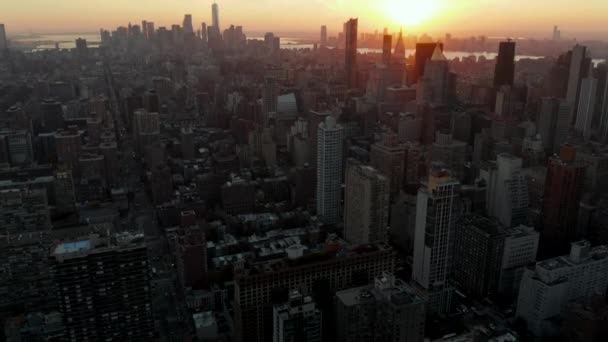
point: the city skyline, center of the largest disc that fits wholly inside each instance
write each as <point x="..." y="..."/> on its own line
<point x="460" y="17"/>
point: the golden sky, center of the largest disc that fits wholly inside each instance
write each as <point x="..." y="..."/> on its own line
<point x="492" y="17"/>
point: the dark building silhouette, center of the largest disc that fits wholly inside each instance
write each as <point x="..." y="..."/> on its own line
<point x="424" y="52"/>
<point x="504" y="74"/>
<point x="563" y="187"/>
<point x="350" y="32"/>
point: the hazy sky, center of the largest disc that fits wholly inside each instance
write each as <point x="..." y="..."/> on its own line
<point x="580" y="18"/>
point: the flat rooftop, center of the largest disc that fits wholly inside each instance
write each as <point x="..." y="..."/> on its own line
<point x="72" y="247"/>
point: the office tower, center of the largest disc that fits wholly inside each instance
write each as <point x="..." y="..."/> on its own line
<point x="387" y="47"/>
<point x="520" y="249"/>
<point x="150" y="30"/>
<point x="204" y="34"/>
<point x="388" y="156"/>
<point x="563" y="188"/>
<point x="253" y="289"/>
<point x="586" y="106"/>
<point x="65" y="198"/>
<point x="270" y="96"/>
<point x="579" y="66"/>
<point x="403" y="220"/>
<point x="187" y="24"/>
<point x="298" y="319"/>
<point x="556" y="33"/>
<point x="215" y="17"/>
<point x="52" y="115"/>
<point x="603" y="111"/>
<point x="350" y="50"/>
<point x="146" y="128"/>
<point x="547" y="121"/>
<point x="399" y="52"/>
<point x="18" y="146"/>
<point x="478" y="249"/>
<point x="547" y="288"/>
<point x="366" y="201"/>
<point x="434" y="83"/>
<point x="191" y="253"/>
<point x="3" y="41"/>
<point x="437" y="213"/>
<point x="562" y="127"/>
<point x="81" y="47"/>
<point x="504" y="73"/>
<point x="451" y="153"/>
<point x="424" y="52"/>
<point x="388" y="310"/>
<point x="104" y="288"/>
<point x="330" y="138"/>
<point x="507" y="190"/>
<point x="68" y="144"/>
<point x="504" y="105"/>
<point x="323" y="36"/>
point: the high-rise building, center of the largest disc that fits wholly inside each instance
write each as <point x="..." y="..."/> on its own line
<point x="389" y="157"/>
<point x="254" y="288"/>
<point x="507" y="190"/>
<point x="547" y="121"/>
<point x="586" y="106"/>
<point x="296" y="320"/>
<point x="437" y="213"/>
<point x="387" y="48"/>
<point x="191" y="252"/>
<point x="270" y="95"/>
<point x="556" y="33"/>
<point x="478" y="249"/>
<point x="547" y="288"/>
<point x="187" y="24"/>
<point x="3" y="41"/>
<point x="563" y="188"/>
<point x="451" y="153"/>
<point x="434" y="83"/>
<point x="520" y="249"/>
<point x="399" y="52"/>
<point x="603" y="111"/>
<point x="504" y="74"/>
<point x="104" y="288"/>
<point x="579" y="67"/>
<point x="215" y="16"/>
<point x="350" y="34"/>
<point x="366" y="201"/>
<point x="323" y="36"/>
<point x="424" y="52"/>
<point x="330" y="152"/>
<point x="388" y="310"/>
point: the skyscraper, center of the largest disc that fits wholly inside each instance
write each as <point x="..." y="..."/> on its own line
<point x="366" y="201"/>
<point x="507" y="191"/>
<point x="187" y="24"/>
<point x="387" y="46"/>
<point x="400" y="47"/>
<point x="547" y="121"/>
<point x="323" y="35"/>
<point x="104" y="289"/>
<point x="424" y="52"/>
<point x="586" y="106"/>
<point x="579" y="66"/>
<point x="478" y="250"/>
<point x="350" y="33"/>
<point x="3" y="42"/>
<point x="504" y="73"/>
<point x="434" y="85"/>
<point x="215" y="16"/>
<point x="388" y="157"/>
<point x="297" y="320"/>
<point x="270" y="95"/>
<point x="563" y="187"/>
<point x="437" y="212"/>
<point x="330" y="137"/>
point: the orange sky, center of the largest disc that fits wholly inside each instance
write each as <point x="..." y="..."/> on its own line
<point x="492" y="17"/>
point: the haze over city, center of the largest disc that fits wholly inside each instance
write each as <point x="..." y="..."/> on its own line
<point x="514" y="18"/>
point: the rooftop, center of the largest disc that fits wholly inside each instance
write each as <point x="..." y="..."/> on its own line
<point x="73" y="247"/>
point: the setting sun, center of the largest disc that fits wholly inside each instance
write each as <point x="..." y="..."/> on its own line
<point x="411" y="12"/>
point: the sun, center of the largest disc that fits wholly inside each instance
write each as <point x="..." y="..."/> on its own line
<point x="411" y="12"/>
